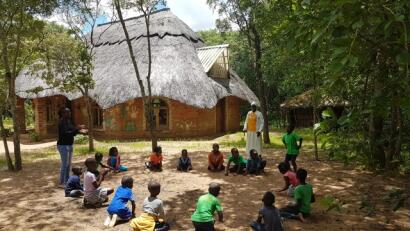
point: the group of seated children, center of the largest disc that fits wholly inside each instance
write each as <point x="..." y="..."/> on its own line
<point x="254" y="165"/>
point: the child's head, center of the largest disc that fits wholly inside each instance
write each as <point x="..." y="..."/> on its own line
<point x="290" y="128"/>
<point x="235" y="152"/>
<point x="268" y="199"/>
<point x="158" y="150"/>
<point x="113" y="151"/>
<point x="253" y="153"/>
<point x="98" y="156"/>
<point x="214" y="189"/>
<point x="154" y="188"/>
<point x="215" y="147"/>
<point x="76" y="170"/>
<point x="283" y="167"/>
<point x="91" y="164"/>
<point x="184" y="153"/>
<point x="127" y="182"/>
<point x="301" y="175"/>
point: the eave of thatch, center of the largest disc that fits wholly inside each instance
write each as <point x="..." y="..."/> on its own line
<point x="305" y="100"/>
<point x="177" y="72"/>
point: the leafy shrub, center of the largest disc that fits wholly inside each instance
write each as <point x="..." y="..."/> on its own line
<point x="331" y="203"/>
<point x="34" y="136"/>
<point x="80" y="139"/>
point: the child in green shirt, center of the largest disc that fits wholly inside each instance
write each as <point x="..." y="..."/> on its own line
<point x="303" y="197"/>
<point x="203" y="217"/>
<point x="290" y="140"/>
<point x="238" y="161"/>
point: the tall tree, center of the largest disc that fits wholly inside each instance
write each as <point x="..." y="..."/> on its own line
<point x="146" y="7"/>
<point x="17" y="24"/>
<point x="246" y="14"/>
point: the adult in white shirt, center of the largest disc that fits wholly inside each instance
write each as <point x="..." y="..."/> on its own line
<point x="253" y="128"/>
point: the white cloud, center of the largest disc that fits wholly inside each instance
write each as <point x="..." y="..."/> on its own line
<point x="195" y="13"/>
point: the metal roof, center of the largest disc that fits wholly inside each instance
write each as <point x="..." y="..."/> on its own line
<point x="209" y="55"/>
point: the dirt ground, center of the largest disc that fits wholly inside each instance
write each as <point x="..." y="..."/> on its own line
<point x="30" y="200"/>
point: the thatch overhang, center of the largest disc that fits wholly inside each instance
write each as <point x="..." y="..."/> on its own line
<point x="177" y="70"/>
<point x="305" y="100"/>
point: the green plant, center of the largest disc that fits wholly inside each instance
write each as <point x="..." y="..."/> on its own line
<point x="80" y="139"/>
<point x="367" y="205"/>
<point x="395" y="198"/>
<point x="331" y="203"/>
<point x="34" y="136"/>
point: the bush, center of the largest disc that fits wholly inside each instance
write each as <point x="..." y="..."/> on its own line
<point x="34" y="136"/>
<point x="80" y="139"/>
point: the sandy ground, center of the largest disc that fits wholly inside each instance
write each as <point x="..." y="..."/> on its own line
<point x="26" y="147"/>
<point x="30" y="200"/>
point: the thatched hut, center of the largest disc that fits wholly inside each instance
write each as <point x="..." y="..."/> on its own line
<point x="196" y="93"/>
<point x="298" y="110"/>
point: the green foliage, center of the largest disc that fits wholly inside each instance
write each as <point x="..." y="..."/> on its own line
<point x="80" y="139"/>
<point x="34" y="136"/>
<point x="395" y="198"/>
<point x="368" y="206"/>
<point x="331" y="203"/>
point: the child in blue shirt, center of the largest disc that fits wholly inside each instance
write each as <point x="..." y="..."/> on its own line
<point x="184" y="162"/>
<point x="114" y="160"/>
<point x="73" y="187"/>
<point x="118" y="206"/>
<point x="255" y="163"/>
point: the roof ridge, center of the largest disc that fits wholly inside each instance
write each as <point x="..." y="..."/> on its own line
<point x="215" y="46"/>
<point x="133" y="18"/>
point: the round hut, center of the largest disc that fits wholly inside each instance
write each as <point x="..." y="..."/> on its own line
<point x="195" y="91"/>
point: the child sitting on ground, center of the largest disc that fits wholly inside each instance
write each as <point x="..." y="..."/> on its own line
<point x="118" y="206"/>
<point x="74" y="188"/>
<point x="152" y="217"/>
<point x="255" y="163"/>
<point x="98" y="158"/>
<point x="269" y="214"/>
<point x="184" y="162"/>
<point x="289" y="177"/>
<point x="216" y="159"/>
<point x="155" y="160"/>
<point x="239" y="163"/>
<point x="94" y="195"/>
<point x="303" y="197"/>
<point x="114" y="160"/>
<point x="203" y="217"/>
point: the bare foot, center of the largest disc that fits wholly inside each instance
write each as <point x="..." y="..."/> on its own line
<point x="301" y="218"/>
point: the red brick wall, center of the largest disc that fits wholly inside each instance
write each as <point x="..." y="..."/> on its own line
<point x="127" y="120"/>
<point x="43" y="127"/>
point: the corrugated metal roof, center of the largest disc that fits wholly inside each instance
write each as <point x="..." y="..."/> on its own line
<point x="209" y="55"/>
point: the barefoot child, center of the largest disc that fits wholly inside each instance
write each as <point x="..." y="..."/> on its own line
<point x="255" y="163"/>
<point x="118" y="206"/>
<point x="114" y="160"/>
<point x="203" y="217"/>
<point x="74" y="188"/>
<point x="239" y="163"/>
<point x="184" y="162"/>
<point x="155" y="160"/>
<point x="94" y="195"/>
<point x="303" y="197"/>
<point x="215" y="159"/>
<point x="290" y="140"/>
<point x="152" y="217"/>
<point x="289" y="177"/>
<point x="98" y="158"/>
<point x="269" y="214"/>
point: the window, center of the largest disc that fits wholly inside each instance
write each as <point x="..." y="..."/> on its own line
<point x="50" y="113"/>
<point x="160" y="118"/>
<point x="97" y="116"/>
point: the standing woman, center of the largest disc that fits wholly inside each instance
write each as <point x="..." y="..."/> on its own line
<point x="66" y="133"/>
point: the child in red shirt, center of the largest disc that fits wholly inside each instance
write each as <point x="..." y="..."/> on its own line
<point x="155" y="160"/>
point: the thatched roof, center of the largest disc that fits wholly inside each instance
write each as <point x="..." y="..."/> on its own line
<point x="305" y="100"/>
<point x="177" y="71"/>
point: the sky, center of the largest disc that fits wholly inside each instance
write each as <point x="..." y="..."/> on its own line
<point x="195" y="13"/>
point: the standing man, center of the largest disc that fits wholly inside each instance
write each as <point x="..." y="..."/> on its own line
<point x="253" y="128"/>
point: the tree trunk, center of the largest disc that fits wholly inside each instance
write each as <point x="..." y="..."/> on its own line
<point x="261" y="85"/>
<point x="90" y="122"/>
<point x="376" y="142"/>
<point x="9" y="161"/>
<point x="315" y="120"/>
<point x="16" y="124"/>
